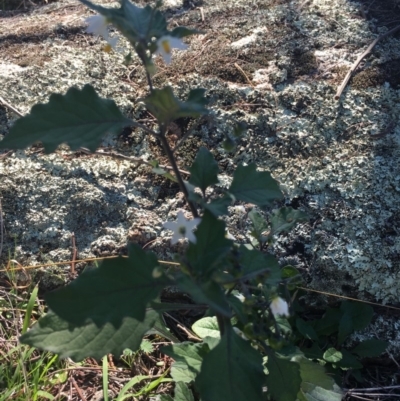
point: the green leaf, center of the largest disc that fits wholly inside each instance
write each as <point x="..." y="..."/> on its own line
<point x="117" y="289"/>
<point x="219" y="207"/>
<point x="188" y="358"/>
<point x="313" y="374"/>
<point x="306" y="330"/>
<point x="78" y="118"/>
<point x="348" y="361"/>
<point x="356" y="316"/>
<point x="211" y="245"/>
<point x="135" y="23"/>
<point x="146" y="346"/>
<point x="164" y="173"/>
<point x="207" y="327"/>
<point x="260" y="226"/>
<point x="204" y="171"/>
<point x="238" y="307"/>
<point x="212" y="342"/>
<point x="281" y="373"/>
<point x="209" y="293"/>
<point x="370" y="348"/>
<point x="163" y="397"/>
<point x="128" y="386"/>
<point x="316" y="385"/>
<point x="292" y="277"/>
<point x="182" y="392"/>
<point x="182" y="32"/>
<point x="52" y="333"/>
<point x="166" y="107"/>
<point x="253" y="261"/>
<point x="314" y="352"/>
<point x="320" y="394"/>
<point x="332" y="355"/>
<point x="329" y="323"/>
<point x="231" y="371"/>
<point x="258" y="187"/>
<point x="285" y="218"/>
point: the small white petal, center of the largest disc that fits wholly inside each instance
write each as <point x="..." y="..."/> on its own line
<point x="228" y="235"/>
<point x="180" y="219"/>
<point x="192" y="224"/>
<point x="166" y="43"/>
<point x="97" y="25"/>
<point x="112" y="42"/>
<point x="279" y="307"/>
<point x="175" y="238"/>
<point x="191" y="237"/>
<point x="169" y="225"/>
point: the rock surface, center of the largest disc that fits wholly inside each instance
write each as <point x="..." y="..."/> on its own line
<point x="273" y="64"/>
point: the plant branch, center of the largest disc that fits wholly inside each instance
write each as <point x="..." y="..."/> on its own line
<point x="144" y="128"/>
<point x="177" y="172"/>
<point x="358" y="61"/>
<point x="12" y="108"/>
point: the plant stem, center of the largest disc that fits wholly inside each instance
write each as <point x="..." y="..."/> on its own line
<point x="222" y="323"/>
<point x="149" y="81"/>
<point x="178" y="175"/>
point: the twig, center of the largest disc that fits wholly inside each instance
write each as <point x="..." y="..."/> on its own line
<point x="8" y="105"/>
<point x="189" y="333"/>
<point x="74" y="253"/>
<point x="359" y="390"/>
<point x="377" y="394"/>
<point x="202" y="13"/>
<point x="78" y="390"/>
<point x="144" y="128"/>
<point x="361" y="398"/>
<point x="244" y="74"/>
<point x="358" y="61"/>
<point x="349" y="298"/>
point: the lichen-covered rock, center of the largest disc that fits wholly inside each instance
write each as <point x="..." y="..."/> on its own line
<point x="274" y="65"/>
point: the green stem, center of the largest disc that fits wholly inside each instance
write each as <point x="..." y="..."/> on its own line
<point x="178" y="175"/>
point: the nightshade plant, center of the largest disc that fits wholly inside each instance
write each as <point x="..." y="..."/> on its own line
<point x="111" y="308"/>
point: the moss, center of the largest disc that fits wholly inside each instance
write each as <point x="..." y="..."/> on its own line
<point x="370" y="77"/>
<point x="304" y="63"/>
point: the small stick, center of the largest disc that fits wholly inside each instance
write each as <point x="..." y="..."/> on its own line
<point x="188" y="333"/>
<point x="74" y="253"/>
<point x="202" y="14"/>
<point x="10" y="107"/>
<point x="78" y="390"/>
<point x="358" y="61"/>
<point x="359" y="390"/>
<point x="244" y="74"/>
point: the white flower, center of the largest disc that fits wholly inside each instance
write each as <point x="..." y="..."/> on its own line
<point x="182" y="228"/>
<point x="239" y="209"/>
<point x="165" y="45"/>
<point x="98" y="26"/>
<point x="279" y="307"/>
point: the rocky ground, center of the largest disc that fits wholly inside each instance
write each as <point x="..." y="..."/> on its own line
<point x="273" y="64"/>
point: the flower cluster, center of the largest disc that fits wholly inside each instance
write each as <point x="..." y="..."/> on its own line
<point x="97" y="25"/>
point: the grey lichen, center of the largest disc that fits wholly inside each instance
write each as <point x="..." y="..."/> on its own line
<point x="338" y="161"/>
